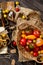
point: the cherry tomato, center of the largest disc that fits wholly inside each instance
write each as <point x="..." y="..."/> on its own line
<point x="28" y="32"/>
<point x="23" y="41"/>
<point x="36" y="49"/>
<point x="17" y="9"/>
<point x="35" y="54"/>
<point x="29" y="41"/>
<point x="36" y="33"/>
<point x="14" y="43"/>
<point x="27" y="48"/>
<point x="31" y="46"/>
<point x="41" y="48"/>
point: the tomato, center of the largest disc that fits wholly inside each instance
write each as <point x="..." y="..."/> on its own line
<point x="35" y="54"/>
<point x="27" y="48"/>
<point x="23" y="41"/>
<point x="36" y="33"/>
<point x="41" y="48"/>
<point x="14" y="43"/>
<point x="17" y="9"/>
<point x="31" y="46"/>
<point x="28" y="32"/>
<point x="36" y="49"/>
<point x="29" y="41"/>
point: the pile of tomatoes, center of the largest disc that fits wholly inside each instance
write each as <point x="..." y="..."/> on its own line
<point x="32" y="41"/>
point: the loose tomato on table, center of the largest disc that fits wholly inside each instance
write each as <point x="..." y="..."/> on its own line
<point x="17" y="9"/>
<point x="22" y="41"/>
<point x="36" y="33"/>
<point x="14" y="43"/>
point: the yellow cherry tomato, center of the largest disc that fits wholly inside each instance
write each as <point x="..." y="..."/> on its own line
<point x="17" y="3"/>
<point x="23" y="17"/>
<point x="32" y="37"/>
<point x="23" y="32"/>
<point x="41" y="51"/>
<point x="5" y="15"/>
<point x="27" y="43"/>
<point x="41" y="36"/>
<point x="39" y="42"/>
<point x="23" y="35"/>
<point x="34" y="41"/>
<point x="31" y="52"/>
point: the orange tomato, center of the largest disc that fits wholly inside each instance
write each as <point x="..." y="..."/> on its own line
<point x="39" y="42"/>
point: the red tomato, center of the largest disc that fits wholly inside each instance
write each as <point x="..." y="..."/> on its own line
<point x="14" y="43"/>
<point x="17" y="9"/>
<point x="35" y="54"/>
<point x="27" y="48"/>
<point x="36" y="33"/>
<point x="36" y="49"/>
<point x="29" y="41"/>
<point x="23" y="41"/>
<point x="28" y="32"/>
<point x="41" y="48"/>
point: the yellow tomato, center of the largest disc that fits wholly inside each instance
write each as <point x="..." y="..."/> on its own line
<point x="41" y="36"/>
<point x="23" y="35"/>
<point x="41" y="51"/>
<point x="31" y="52"/>
<point x="23" y="32"/>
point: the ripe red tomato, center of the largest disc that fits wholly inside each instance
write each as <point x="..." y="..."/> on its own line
<point x="23" y="41"/>
<point x="17" y="9"/>
<point x="28" y="32"/>
<point x="36" y="49"/>
<point x="27" y="48"/>
<point x="35" y="54"/>
<point x="36" y="33"/>
<point x="41" y="48"/>
<point x="29" y="41"/>
<point x="14" y="43"/>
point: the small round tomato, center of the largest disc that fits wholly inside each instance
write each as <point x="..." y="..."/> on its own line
<point x="36" y="49"/>
<point x="14" y="43"/>
<point x="31" y="46"/>
<point x="35" y="54"/>
<point x="28" y="32"/>
<point x="23" y="41"/>
<point x="41" y="47"/>
<point x="26" y="48"/>
<point x="29" y="41"/>
<point x="17" y="9"/>
<point x="36" y="33"/>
